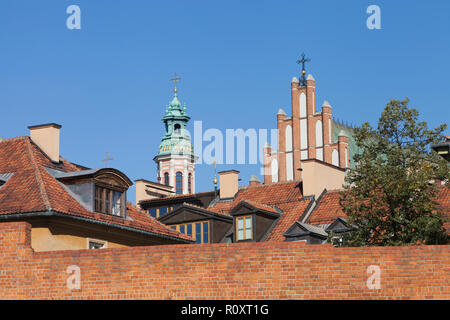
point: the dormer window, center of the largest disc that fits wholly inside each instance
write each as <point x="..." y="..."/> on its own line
<point x="109" y="201"/>
<point x="244" y="230"/>
<point x="97" y="190"/>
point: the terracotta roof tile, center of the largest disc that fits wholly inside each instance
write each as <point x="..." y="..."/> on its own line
<point x="266" y="194"/>
<point x="292" y="212"/>
<point x="327" y="210"/>
<point x="261" y="206"/>
<point x="285" y="196"/>
<point x="31" y="189"/>
<point x="221" y="206"/>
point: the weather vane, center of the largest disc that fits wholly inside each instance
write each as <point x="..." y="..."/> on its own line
<point x="303" y="75"/>
<point x="175" y="79"/>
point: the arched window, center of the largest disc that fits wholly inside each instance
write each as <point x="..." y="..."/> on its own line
<point x="302" y="105"/>
<point x="190" y="183"/>
<point x="179" y="183"/>
<point x="274" y="167"/>
<point x="335" y="158"/>
<point x="166" y="178"/>
<point x="319" y="139"/>
<point x="177" y="128"/>
<point x="288" y="138"/>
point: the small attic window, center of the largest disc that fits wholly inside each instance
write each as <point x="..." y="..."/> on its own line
<point x="109" y="201"/>
<point x="244" y="228"/>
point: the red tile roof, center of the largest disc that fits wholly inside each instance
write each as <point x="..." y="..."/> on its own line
<point x="32" y="189"/>
<point x="292" y="212"/>
<point x="266" y="194"/>
<point x="261" y="206"/>
<point x="327" y="210"/>
<point x="222" y="207"/>
<point x="285" y="196"/>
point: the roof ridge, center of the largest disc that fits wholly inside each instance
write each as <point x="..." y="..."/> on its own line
<point x="205" y="209"/>
<point x="193" y="205"/>
<point x="261" y="204"/>
<point x="269" y="184"/>
<point x="178" y="195"/>
<point x="13" y="139"/>
<point x="335" y="190"/>
<point x="37" y="174"/>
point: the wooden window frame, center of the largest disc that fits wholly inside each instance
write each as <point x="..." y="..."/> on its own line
<point x="244" y="228"/>
<point x="194" y="235"/>
<point x="101" y="204"/>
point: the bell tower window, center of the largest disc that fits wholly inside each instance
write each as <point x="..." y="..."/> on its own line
<point x="190" y="183"/>
<point x="166" y="178"/>
<point x="179" y="183"/>
<point x="177" y="128"/>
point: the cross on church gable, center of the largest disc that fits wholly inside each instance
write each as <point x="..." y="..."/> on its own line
<point x="302" y="61"/>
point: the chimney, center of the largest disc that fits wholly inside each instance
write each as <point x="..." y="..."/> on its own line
<point x="254" y="181"/>
<point x="46" y="137"/>
<point x="228" y="183"/>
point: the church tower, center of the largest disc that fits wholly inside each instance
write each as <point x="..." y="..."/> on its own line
<point x="307" y="134"/>
<point x="175" y="158"/>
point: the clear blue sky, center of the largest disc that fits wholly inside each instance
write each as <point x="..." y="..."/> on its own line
<point x="108" y="83"/>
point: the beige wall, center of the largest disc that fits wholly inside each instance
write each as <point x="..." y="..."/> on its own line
<point x="47" y="138"/>
<point x="43" y="240"/>
<point x="145" y="191"/>
<point x="228" y="183"/>
<point x="318" y="175"/>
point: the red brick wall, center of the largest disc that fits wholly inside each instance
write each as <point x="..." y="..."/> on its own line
<point x="284" y="270"/>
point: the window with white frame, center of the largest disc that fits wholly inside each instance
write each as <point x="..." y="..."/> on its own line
<point x="244" y="228"/>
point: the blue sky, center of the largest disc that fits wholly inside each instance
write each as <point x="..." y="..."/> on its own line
<point x="108" y="83"/>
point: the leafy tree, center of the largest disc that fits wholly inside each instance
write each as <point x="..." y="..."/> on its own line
<point x="390" y="197"/>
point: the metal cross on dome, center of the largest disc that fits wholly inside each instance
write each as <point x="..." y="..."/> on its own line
<point x="303" y="75"/>
<point x="175" y="79"/>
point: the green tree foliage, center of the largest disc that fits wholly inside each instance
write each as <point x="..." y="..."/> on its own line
<point x="390" y="197"/>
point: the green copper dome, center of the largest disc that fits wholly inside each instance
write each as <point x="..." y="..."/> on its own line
<point x="177" y="139"/>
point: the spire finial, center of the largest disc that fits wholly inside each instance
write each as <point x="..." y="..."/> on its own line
<point x="175" y="79"/>
<point x="303" y="74"/>
<point x="215" y="176"/>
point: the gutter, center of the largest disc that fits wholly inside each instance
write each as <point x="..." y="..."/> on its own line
<point x="51" y="213"/>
